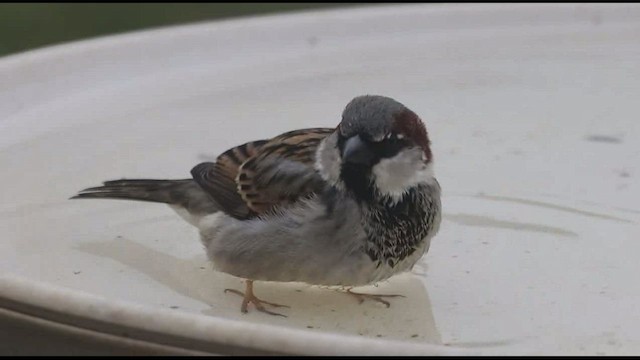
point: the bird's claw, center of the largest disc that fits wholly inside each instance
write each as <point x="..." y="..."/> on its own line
<point x="249" y="297"/>
<point x="375" y="297"/>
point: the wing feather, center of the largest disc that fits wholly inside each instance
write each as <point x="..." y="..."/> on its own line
<point x="260" y="176"/>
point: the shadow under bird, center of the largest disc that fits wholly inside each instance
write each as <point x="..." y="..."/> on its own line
<point x="345" y="206"/>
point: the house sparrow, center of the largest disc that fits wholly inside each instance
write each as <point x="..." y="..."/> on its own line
<point x="348" y="206"/>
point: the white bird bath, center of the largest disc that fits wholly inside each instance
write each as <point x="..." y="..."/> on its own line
<point x="533" y="114"/>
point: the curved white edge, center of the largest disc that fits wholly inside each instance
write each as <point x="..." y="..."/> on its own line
<point x="184" y="330"/>
<point x="26" y="335"/>
<point x="46" y="66"/>
<point x="498" y="15"/>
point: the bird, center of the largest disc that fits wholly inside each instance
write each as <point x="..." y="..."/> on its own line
<point x="345" y="206"/>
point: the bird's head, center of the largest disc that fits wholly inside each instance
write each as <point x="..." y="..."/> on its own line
<point x="380" y="148"/>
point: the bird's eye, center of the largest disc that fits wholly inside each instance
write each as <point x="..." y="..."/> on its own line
<point x="393" y="136"/>
<point x="390" y="145"/>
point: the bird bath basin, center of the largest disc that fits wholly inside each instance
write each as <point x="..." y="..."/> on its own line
<point x="532" y="111"/>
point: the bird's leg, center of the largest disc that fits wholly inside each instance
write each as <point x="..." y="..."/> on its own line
<point x="361" y="297"/>
<point x="249" y="297"/>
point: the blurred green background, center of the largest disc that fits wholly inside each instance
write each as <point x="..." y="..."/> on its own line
<point x="24" y="26"/>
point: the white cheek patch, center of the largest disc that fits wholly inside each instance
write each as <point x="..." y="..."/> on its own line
<point x="328" y="160"/>
<point x="395" y="176"/>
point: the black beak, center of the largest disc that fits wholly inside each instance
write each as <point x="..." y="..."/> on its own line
<point x="357" y="152"/>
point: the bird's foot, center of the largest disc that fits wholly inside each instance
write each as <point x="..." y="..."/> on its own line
<point x="249" y="297"/>
<point x="375" y="297"/>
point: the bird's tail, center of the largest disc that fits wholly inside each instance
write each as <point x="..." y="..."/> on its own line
<point x="183" y="193"/>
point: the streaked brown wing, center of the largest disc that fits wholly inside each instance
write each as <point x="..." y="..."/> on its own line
<point x="282" y="171"/>
<point x="219" y="179"/>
